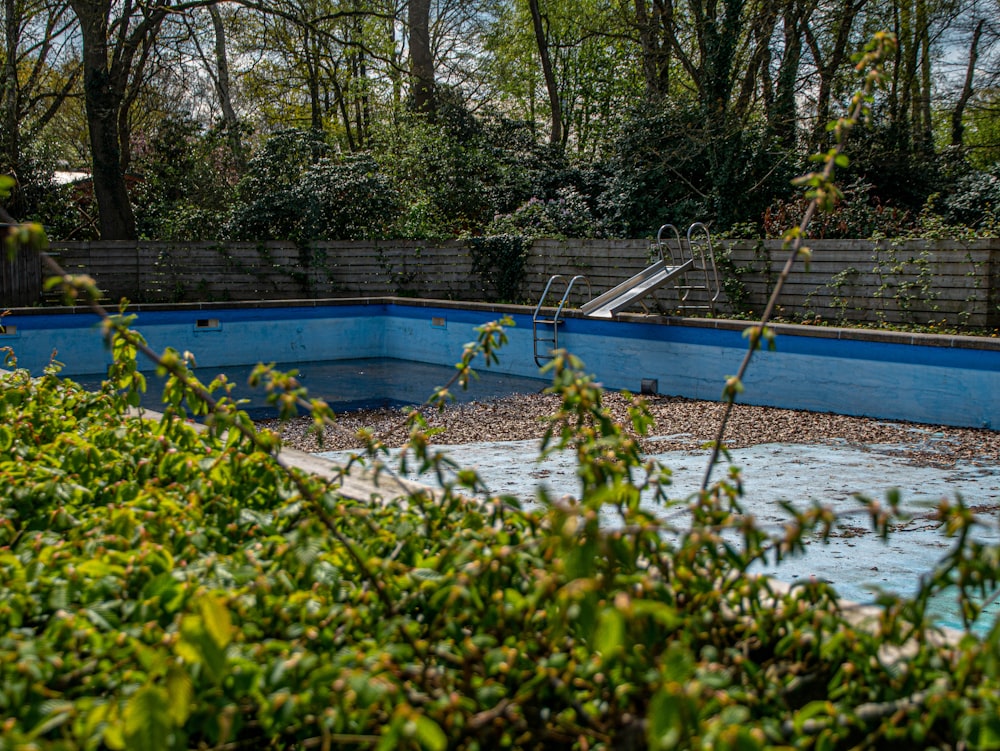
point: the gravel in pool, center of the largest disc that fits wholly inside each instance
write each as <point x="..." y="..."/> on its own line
<point x="680" y="424"/>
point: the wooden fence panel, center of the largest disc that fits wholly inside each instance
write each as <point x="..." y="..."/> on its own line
<point x="849" y="280"/>
<point x="20" y="279"/>
<point x="862" y="281"/>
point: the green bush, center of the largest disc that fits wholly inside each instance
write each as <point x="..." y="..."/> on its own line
<point x="186" y="184"/>
<point x="298" y="190"/>
<point x="163" y="587"/>
<point x="975" y="200"/>
<point x="567" y="215"/>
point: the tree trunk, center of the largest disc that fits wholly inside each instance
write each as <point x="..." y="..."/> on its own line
<point x="829" y="64"/>
<point x="10" y="138"/>
<point x="782" y="115"/>
<point x="653" y="25"/>
<point x="310" y="57"/>
<point x="223" y="89"/>
<point x="922" y="84"/>
<point x="421" y="56"/>
<point x="957" y="114"/>
<point x="104" y="95"/>
<point x="556" y="132"/>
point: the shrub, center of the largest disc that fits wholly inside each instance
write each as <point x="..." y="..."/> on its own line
<point x="975" y="200"/>
<point x="567" y="215"/>
<point x="298" y="190"/>
<point x="164" y="587"/>
<point x="859" y="213"/>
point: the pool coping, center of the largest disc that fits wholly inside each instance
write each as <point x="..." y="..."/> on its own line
<point x="952" y="341"/>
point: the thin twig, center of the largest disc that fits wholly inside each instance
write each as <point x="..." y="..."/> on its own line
<point x="881" y="46"/>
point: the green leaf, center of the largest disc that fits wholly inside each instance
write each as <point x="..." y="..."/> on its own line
<point x="429" y="734"/>
<point x="180" y="690"/>
<point x="811" y="711"/>
<point x="147" y="720"/>
<point x="216" y="619"/>
<point x="198" y="645"/>
<point x="55" y="713"/>
<point x="666" y="720"/>
<point x="610" y="636"/>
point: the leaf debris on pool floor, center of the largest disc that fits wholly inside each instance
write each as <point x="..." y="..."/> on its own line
<point x="679" y="424"/>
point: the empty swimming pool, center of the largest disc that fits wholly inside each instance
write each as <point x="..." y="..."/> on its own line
<point x="942" y="380"/>
<point x="348" y="385"/>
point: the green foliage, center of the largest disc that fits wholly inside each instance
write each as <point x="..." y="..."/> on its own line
<point x="165" y="587"/>
<point x="186" y="185"/>
<point x="461" y="174"/>
<point x="567" y="215"/>
<point x="883" y="157"/>
<point x="669" y="165"/>
<point x="499" y="261"/>
<point x="975" y="200"/>
<point x="527" y="168"/>
<point x="442" y="168"/>
<point x="37" y="198"/>
<point x="15" y="236"/>
<point x="297" y="190"/>
<point x="858" y="212"/>
<point x="983" y="138"/>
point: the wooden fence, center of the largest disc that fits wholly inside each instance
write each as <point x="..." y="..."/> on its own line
<point x="20" y="279"/>
<point x="847" y="281"/>
<point x="947" y="282"/>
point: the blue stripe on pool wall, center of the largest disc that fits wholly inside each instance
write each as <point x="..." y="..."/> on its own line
<point x="944" y="385"/>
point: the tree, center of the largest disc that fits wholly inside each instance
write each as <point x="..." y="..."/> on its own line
<point x="542" y="41"/>
<point x="829" y="34"/>
<point x="37" y="74"/>
<point x="957" y="126"/>
<point x="654" y="27"/>
<point x="421" y="58"/>
<point x="217" y="67"/>
<point x="112" y="67"/>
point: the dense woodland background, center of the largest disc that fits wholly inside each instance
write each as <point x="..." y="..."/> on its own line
<point x="431" y="119"/>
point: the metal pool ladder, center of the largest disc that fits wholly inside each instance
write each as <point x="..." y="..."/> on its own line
<point x="700" y="273"/>
<point x="545" y="330"/>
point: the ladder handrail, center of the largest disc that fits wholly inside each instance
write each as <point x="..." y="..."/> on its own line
<point x="661" y="243"/>
<point x="545" y="294"/>
<point x="554" y="321"/>
<point x="565" y="297"/>
<point x="709" y="268"/>
<point x="569" y="288"/>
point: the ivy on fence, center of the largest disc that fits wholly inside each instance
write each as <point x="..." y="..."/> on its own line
<point x="500" y="261"/>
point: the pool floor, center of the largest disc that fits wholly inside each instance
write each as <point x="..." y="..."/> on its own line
<point x="855" y="559"/>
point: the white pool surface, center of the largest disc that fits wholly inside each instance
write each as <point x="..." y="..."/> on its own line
<point x="855" y="559"/>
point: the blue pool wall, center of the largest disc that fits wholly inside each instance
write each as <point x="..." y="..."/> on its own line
<point x="941" y="380"/>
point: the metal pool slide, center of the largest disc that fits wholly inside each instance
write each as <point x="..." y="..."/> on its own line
<point x="690" y="265"/>
<point x="620" y="297"/>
